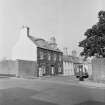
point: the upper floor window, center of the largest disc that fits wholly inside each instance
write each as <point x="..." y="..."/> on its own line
<point x="49" y="57"/>
<point x="55" y="57"/>
<point x="41" y="54"/>
<point x="60" y="57"/>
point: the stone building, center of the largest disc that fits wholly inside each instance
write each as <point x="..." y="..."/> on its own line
<point x="46" y="56"/>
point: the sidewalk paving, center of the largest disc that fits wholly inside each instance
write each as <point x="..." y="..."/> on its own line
<point x="68" y="80"/>
<point x="92" y="84"/>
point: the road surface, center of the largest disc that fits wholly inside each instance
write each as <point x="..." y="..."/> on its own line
<point x="47" y="91"/>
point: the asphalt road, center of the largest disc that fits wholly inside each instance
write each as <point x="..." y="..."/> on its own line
<point x="48" y="92"/>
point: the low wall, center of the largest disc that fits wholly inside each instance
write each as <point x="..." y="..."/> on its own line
<point x="98" y="69"/>
<point x="20" y="68"/>
<point x="8" y="67"/>
<point x="27" y="68"/>
<point x="89" y="65"/>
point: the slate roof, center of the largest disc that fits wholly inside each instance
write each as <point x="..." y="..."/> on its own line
<point x="39" y="42"/>
<point x="68" y="58"/>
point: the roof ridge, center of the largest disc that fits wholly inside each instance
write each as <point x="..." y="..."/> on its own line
<point x="44" y="44"/>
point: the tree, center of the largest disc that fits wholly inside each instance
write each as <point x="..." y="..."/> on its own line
<point x="94" y="43"/>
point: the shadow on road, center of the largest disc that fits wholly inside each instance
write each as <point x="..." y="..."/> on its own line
<point x="20" y="96"/>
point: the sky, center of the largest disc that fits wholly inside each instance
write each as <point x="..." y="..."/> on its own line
<point x="67" y="20"/>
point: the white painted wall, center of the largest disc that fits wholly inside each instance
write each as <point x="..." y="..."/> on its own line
<point x="24" y="49"/>
<point x="68" y="68"/>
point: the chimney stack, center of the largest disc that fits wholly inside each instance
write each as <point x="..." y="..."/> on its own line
<point x="27" y="30"/>
<point x="53" y="43"/>
<point x="65" y="51"/>
<point x="74" y="53"/>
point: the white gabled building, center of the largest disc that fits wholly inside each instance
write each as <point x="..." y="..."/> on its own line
<point x="24" y="49"/>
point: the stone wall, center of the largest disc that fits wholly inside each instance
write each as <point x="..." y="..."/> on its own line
<point x="21" y="68"/>
<point x="8" y="67"/>
<point x="89" y="66"/>
<point x="98" y="69"/>
<point x="27" y="68"/>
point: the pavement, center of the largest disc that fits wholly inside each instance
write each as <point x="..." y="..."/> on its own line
<point x="66" y="79"/>
<point x="72" y="79"/>
<point x="92" y="84"/>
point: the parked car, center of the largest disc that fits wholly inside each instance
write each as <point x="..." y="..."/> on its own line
<point x="81" y="72"/>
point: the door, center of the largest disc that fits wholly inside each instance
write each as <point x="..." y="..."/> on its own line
<point x="52" y="70"/>
<point x="40" y="72"/>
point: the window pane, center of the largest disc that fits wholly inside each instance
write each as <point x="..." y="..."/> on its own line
<point x="49" y="57"/>
<point x="54" y="57"/>
<point x="41" y="55"/>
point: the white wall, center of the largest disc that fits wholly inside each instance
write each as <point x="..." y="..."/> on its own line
<point x="68" y="68"/>
<point x="24" y="49"/>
